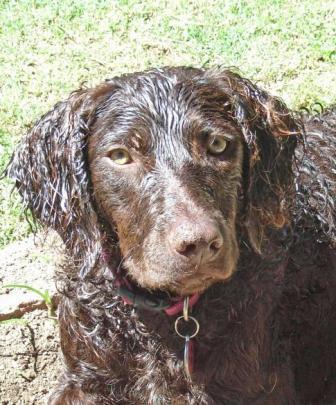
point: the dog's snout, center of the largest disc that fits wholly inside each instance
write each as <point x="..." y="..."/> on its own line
<point x="199" y="241"/>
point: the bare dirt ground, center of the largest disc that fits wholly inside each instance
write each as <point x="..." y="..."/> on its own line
<point x="30" y="360"/>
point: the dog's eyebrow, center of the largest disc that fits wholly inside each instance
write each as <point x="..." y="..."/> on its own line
<point x="128" y="137"/>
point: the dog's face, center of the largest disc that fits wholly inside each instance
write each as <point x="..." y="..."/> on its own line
<point x="161" y="156"/>
<point x="166" y="166"/>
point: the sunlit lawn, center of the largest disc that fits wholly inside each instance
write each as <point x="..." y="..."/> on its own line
<point x="48" y="48"/>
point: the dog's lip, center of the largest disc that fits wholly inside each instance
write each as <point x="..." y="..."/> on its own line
<point x="194" y="284"/>
<point x="206" y="276"/>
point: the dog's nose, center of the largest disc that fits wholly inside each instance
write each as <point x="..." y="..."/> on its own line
<point x="199" y="241"/>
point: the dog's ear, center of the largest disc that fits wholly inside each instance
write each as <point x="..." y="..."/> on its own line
<point x="270" y="132"/>
<point x="51" y="173"/>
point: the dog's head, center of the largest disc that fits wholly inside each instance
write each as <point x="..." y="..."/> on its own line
<point x="168" y="164"/>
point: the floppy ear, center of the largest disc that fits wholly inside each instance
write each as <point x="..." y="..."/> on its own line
<point x="51" y="174"/>
<point x="271" y="132"/>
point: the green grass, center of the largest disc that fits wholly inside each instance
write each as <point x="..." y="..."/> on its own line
<point x="48" y="48"/>
<point x="45" y="295"/>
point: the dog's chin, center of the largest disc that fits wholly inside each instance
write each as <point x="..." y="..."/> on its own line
<point x="197" y="285"/>
<point x="192" y="282"/>
<point x="190" y="285"/>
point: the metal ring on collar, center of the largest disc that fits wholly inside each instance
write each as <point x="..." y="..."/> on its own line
<point x="186" y="309"/>
<point x="190" y="318"/>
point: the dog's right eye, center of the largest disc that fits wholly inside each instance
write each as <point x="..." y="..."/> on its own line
<point x="120" y="156"/>
<point x="217" y="145"/>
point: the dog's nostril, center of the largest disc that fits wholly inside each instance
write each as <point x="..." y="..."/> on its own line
<point x="199" y="241"/>
<point x="187" y="249"/>
<point x="215" y="246"/>
<point x="198" y="250"/>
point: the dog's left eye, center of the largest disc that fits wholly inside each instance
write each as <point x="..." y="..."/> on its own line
<point x="217" y="144"/>
<point x="120" y="156"/>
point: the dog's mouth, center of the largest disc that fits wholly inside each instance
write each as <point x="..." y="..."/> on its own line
<point x="179" y="278"/>
<point x="188" y="285"/>
<point x="176" y="280"/>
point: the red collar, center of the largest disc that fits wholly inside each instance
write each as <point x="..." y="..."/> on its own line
<point x="177" y="307"/>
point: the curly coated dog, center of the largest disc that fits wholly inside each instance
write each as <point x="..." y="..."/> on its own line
<point x="198" y="212"/>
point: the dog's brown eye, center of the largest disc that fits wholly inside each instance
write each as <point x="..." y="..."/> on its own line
<point x="217" y="145"/>
<point x="120" y="156"/>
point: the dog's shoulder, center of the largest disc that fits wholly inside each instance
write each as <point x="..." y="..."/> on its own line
<point x="315" y="169"/>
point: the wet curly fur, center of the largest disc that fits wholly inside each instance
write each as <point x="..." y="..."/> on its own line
<point x="267" y="310"/>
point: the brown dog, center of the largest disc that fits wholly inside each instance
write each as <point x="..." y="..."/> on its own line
<point x="179" y="183"/>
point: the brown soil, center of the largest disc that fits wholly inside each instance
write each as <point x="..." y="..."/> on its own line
<point x="30" y="361"/>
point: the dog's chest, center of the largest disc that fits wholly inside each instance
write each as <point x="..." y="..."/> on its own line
<point x="162" y="325"/>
